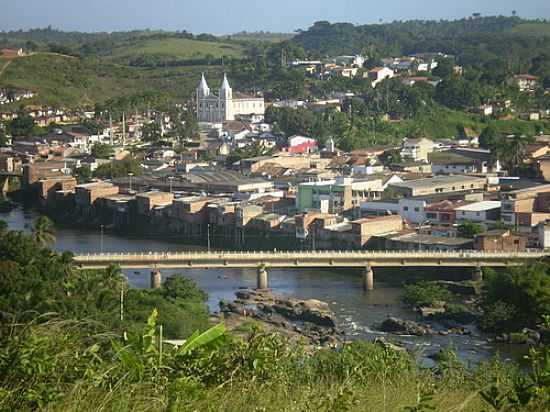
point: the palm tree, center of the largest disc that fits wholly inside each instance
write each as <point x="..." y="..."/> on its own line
<point x="43" y="231"/>
<point x="515" y="151"/>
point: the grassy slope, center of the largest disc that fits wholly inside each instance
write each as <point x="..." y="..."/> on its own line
<point x="533" y="29"/>
<point x="68" y="81"/>
<point x="178" y="49"/>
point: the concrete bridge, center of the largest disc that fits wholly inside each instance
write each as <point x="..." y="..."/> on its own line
<point x="262" y="261"/>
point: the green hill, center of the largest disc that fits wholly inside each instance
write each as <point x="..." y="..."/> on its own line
<point x="176" y="49"/>
<point x="533" y="29"/>
<point x="70" y="81"/>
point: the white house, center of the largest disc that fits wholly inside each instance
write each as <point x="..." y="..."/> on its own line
<point x="410" y="209"/>
<point x="482" y="212"/>
<point x="417" y="149"/>
<point x="379" y="74"/>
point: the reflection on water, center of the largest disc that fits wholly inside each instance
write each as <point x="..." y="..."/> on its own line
<point x="357" y="311"/>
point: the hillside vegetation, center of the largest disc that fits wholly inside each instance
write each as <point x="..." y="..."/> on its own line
<point x="177" y="49"/>
<point x="69" y="81"/>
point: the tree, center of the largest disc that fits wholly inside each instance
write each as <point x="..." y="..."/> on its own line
<point x="102" y="151"/>
<point x="445" y="68"/>
<point x="43" y="232"/>
<point x="513" y="152"/>
<point x="83" y="174"/>
<point x="3" y="137"/>
<point x="151" y="132"/>
<point x="22" y="125"/>
<point x="516" y="298"/>
<point x="490" y="138"/>
<point x="469" y="229"/>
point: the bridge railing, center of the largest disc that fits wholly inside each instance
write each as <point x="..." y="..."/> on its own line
<point x="373" y="254"/>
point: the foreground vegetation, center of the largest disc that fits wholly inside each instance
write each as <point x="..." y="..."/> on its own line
<point x="66" y="345"/>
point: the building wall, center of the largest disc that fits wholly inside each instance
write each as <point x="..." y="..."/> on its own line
<point x="147" y="201"/>
<point x="508" y="242"/>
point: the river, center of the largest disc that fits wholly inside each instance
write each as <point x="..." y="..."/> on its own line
<point x="357" y="311"/>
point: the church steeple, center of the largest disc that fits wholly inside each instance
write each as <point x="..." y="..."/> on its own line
<point x="225" y="83"/>
<point x="225" y="91"/>
<point x="203" y="88"/>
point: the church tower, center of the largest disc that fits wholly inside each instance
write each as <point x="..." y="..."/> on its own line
<point x="203" y="90"/>
<point x="226" y="99"/>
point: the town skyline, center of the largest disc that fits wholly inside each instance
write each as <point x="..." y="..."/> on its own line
<point x="216" y="17"/>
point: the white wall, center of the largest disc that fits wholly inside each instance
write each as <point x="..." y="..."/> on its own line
<point x="412" y="210"/>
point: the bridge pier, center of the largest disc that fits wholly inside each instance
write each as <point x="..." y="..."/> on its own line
<point x="368" y="278"/>
<point x="156" y="279"/>
<point x="261" y="278"/>
<point x="478" y="274"/>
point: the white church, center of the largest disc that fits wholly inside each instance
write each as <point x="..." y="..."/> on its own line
<point x="226" y="105"/>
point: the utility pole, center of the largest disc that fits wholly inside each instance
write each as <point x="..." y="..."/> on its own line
<point x="101" y="238"/>
<point x="208" y="235"/>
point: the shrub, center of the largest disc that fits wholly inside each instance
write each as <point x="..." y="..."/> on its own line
<point x="426" y="294"/>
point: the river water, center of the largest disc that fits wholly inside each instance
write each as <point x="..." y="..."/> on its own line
<point x="357" y="311"/>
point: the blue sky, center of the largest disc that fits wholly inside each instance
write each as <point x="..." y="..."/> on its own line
<point x="229" y="16"/>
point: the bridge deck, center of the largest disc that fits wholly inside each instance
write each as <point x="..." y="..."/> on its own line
<point x="237" y="259"/>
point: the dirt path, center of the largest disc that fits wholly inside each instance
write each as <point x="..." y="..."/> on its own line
<point x="3" y="69"/>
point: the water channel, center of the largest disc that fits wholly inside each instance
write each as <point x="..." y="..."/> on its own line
<point x="358" y="312"/>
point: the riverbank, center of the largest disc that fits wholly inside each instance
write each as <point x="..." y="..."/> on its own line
<point x="358" y="313"/>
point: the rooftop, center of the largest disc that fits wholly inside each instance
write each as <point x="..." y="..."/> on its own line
<point x="480" y="206"/>
<point x="438" y="180"/>
<point x="425" y="239"/>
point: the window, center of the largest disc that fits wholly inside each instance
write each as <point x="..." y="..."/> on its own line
<point x="477" y="213"/>
<point x="416" y="209"/>
<point x="406" y="208"/>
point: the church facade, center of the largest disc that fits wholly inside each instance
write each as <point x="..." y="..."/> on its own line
<point x="226" y="105"/>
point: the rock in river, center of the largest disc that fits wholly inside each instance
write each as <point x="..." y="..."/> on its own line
<point x="404" y="327"/>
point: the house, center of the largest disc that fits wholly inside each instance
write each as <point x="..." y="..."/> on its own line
<point x="357" y="61"/>
<point x="486" y="109"/>
<point x="543" y="165"/>
<point x="336" y="196"/>
<point x="439" y="184"/>
<point x="348" y="72"/>
<point x="408" y="240"/>
<point x="301" y="144"/>
<point x="464" y="161"/>
<point x="86" y="195"/>
<point x="411" y="81"/>
<point x="147" y="201"/>
<point x="417" y="150"/>
<point x="12" y="53"/>
<point x="500" y="240"/>
<point x="525" y="82"/>
<point x="378" y="74"/>
<point x="526" y="207"/>
<point x="487" y="211"/>
<point x="536" y="151"/>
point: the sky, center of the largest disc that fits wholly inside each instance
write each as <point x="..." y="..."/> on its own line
<point x="230" y="16"/>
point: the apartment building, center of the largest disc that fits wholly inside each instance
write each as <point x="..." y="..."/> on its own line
<point x="338" y="195"/>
